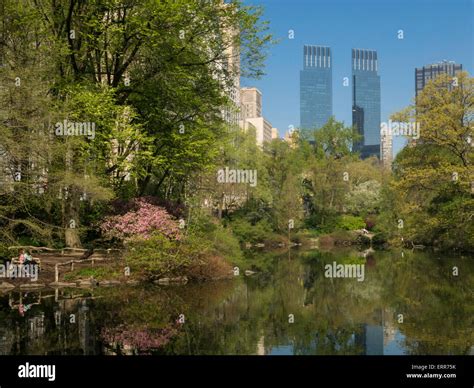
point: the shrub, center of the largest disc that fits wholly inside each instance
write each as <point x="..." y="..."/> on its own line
<point x="141" y="221"/>
<point x="370" y="222"/>
<point x="323" y="223"/>
<point x="326" y="241"/>
<point x="246" y="232"/>
<point x="225" y="243"/>
<point x="348" y="222"/>
<point x="155" y="256"/>
<point x="363" y="240"/>
<point x="199" y="254"/>
<point x="379" y="240"/>
<point x="343" y="237"/>
<point x="98" y="273"/>
<point x="211" y="267"/>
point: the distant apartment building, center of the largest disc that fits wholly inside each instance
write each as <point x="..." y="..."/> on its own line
<point x="263" y="129"/>
<point x="232" y="115"/>
<point x="275" y="133"/>
<point x="250" y="103"/>
<point x="386" y="150"/>
<point x="231" y="66"/>
<point x="251" y="115"/>
<point x="315" y="87"/>
<point x="427" y="73"/>
<point x="366" y="102"/>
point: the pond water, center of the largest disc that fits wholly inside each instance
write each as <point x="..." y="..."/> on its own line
<point x="419" y="303"/>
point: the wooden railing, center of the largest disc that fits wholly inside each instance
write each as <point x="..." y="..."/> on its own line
<point x="62" y="250"/>
<point x="72" y="262"/>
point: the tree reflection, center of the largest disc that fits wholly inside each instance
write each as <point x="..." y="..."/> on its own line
<point x="289" y="307"/>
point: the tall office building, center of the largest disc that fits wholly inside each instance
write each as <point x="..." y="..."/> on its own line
<point x="230" y="63"/>
<point x="251" y="115"/>
<point x="386" y="152"/>
<point x="366" y="102"/>
<point x="275" y="133"/>
<point x="426" y="73"/>
<point x="315" y="87"/>
<point x="250" y="103"/>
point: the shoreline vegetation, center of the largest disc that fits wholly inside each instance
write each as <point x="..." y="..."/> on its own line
<point x="115" y="270"/>
<point x="168" y="178"/>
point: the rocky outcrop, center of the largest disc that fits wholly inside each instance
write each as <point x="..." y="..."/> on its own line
<point x="167" y="281"/>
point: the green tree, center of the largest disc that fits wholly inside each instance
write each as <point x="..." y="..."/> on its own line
<point x="154" y="78"/>
<point x="431" y="192"/>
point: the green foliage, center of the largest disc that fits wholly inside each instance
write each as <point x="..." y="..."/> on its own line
<point x="334" y="139"/>
<point x="219" y="239"/>
<point x="285" y="169"/>
<point x="348" y="222"/>
<point x="5" y="253"/>
<point x="364" y="198"/>
<point x="330" y="173"/>
<point x="154" y="78"/>
<point x="252" y="233"/>
<point x="155" y="257"/>
<point x="340" y="237"/>
<point x="97" y="273"/>
<point x="206" y="244"/>
<point x="431" y="191"/>
<point x="379" y="240"/>
<point x="148" y="74"/>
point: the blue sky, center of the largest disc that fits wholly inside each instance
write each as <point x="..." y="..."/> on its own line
<point x="434" y="30"/>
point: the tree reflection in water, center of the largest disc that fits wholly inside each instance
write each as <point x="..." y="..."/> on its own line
<point x="250" y="315"/>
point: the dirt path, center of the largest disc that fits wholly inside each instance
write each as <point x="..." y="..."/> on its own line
<point x="46" y="274"/>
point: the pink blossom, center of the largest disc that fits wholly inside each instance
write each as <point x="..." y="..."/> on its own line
<point x="141" y="339"/>
<point x="142" y="221"/>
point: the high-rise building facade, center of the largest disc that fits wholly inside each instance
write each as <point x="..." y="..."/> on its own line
<point x="315" y="87"/>
<point x="275" y="133"/>
<point x="386" y="149"/>
<point x="250" y="103"/>
<point x="426" y="73"/>
<point x="262" y="127"/>
<point x="366" y="102"/>
<point x="230" y="65"/>
<point x="251" y="115"/>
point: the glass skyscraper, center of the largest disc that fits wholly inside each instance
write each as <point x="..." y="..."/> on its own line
<point x="366" y="102"/>
<point x="315" y="87"/>
<point x="427" y="73"/>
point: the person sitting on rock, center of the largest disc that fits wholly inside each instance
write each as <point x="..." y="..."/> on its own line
<point x="29" y="259"/>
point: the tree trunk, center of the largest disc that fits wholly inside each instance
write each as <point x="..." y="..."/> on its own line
<point x="72" y="238"/>
<point x="221" y="206"/>
<point x="71" y="218"/>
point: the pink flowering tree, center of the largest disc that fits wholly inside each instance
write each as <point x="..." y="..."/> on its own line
<point x="138" y="340"/>
<point x="141" y="221"/>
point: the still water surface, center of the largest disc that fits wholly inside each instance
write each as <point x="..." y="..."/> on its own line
<point x="405" y="305"/>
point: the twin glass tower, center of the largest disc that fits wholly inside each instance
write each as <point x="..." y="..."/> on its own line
<point x="315" y="87"/>
<point x="316" y="95"/>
